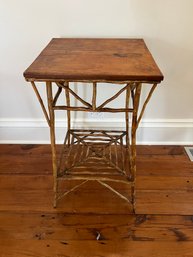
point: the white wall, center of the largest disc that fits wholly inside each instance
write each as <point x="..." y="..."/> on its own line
<point x="27" y="26"/>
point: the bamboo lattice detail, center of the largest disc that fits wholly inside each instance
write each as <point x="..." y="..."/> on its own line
<point x="104" y="156"/>
<point x="87" y="106"/>
<point x="91" y="145"/>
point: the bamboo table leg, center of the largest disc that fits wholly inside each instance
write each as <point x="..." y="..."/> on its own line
<point x="133" y="141"/>
<point x="68" y="111"/>
<point x="52" y="137"/>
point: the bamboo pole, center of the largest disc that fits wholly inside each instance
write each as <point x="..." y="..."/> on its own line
<point x="127" y="115"/>
<point x="133" y="86"/>
<point x="128" y="149"/>
<point x="71" y="190"/>
<point x="122" y="156"/>
<point x="57" y="95"/>
<point x="62" y="153"/>
<point x="41" y="103"/>
<point x="52" y="137"/>
<point x="133" y="140"/>
<point x="145" y="103"/>
<point x="85" y="109"/>
<point x="93" y="178"/>
<point x="114" y="191"/>
<point x="68" y="111"/>
<point x="94" y="96"/>
<point x="114" y="96"/>
<point x="73" y="93"/>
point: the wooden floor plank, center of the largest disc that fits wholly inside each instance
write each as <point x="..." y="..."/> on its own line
<point x="43" y="150"/>
<point x="164" y="178"/>
<point x="184" y="183"/>
<point x="169" y="201"/>
<point x="167" y="167"/>
<point x="92" y="220"/>
<point x="55" y="248"/>
<point x="85" y="199"/>
<point x="60" y="226"/>
<point x="25" y="165"/>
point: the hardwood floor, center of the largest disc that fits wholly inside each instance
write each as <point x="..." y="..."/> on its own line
<point x="92" y="221"/>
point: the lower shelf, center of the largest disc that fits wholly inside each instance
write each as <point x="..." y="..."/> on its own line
<point x="95" y="155"/>
<point x="92" y="152"/>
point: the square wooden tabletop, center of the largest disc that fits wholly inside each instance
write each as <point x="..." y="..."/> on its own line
<point x="75" y="59"/>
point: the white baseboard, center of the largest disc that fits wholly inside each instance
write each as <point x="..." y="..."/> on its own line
<point x="150" y="132"/>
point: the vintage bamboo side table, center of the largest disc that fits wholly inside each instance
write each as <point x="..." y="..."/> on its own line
<point x="104" y="156"/>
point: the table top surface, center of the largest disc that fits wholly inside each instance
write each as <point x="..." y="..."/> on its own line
<point x="77" y="59"/>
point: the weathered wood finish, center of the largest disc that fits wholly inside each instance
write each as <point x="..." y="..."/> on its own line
<point x="89" y="225"/>
<point x="94" y="59"/>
